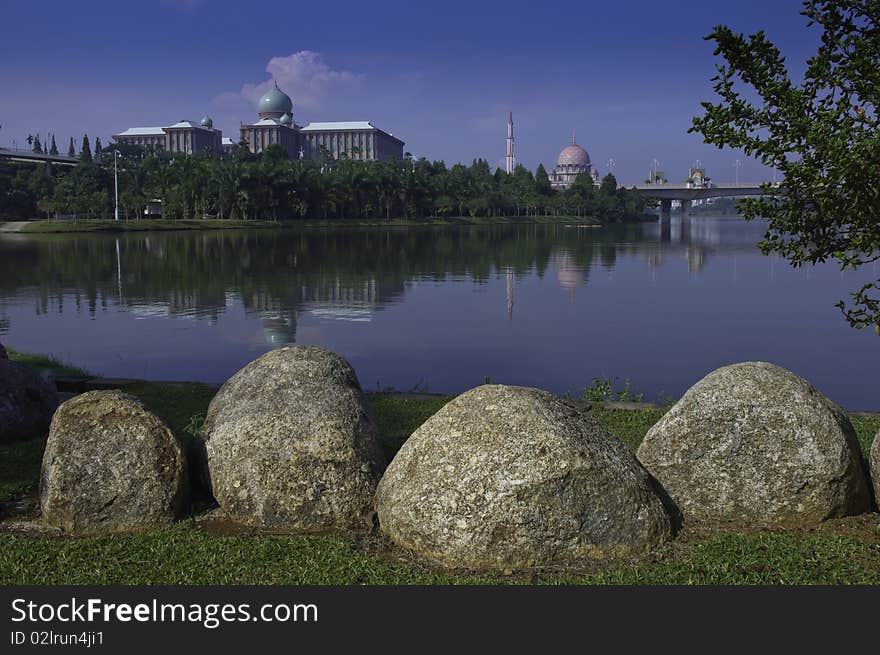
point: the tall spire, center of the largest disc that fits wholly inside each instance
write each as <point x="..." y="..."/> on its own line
<point x="509" y="158"/>
<point x="572" y="137"/>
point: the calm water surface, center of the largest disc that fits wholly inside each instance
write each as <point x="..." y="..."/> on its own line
<point x="438" y="307"/>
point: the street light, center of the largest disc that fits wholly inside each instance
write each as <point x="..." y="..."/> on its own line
<point x="116" y="182"/>
<point x="736" y="165"/>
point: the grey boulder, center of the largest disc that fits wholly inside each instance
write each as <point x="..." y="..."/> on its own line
<point x="875" y="467"/>
<point x="111" y="465"/>
<point x="290" y="444"/>
<point x="513" y="477"/>
<point x="27" y="401"/>
<point x="754" y="444"/>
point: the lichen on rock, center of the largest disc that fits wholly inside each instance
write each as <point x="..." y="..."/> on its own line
<point x="290" y="444"/>
<point x="754" y="444"/>
<point x="111" y="465"/>
<point x="514" y="477"/>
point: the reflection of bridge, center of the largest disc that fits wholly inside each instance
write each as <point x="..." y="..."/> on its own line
<point x="36" y="157"/>
<point x="666" y="193"/>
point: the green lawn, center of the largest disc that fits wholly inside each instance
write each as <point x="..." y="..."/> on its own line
<point x="56" y="227"/>
<point x="48" y="363"/>
<point x="843" y="553"/>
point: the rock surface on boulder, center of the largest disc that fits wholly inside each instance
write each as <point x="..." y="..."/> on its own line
<point x="755" y="444"/>
<point x="110" y="466"/>
<point x="512" y="477"/>
<point x="875" y="468"/>
<point x="27" y="401"/>
<point x="290" y="444"/>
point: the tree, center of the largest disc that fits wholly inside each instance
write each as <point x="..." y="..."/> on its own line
<point x="71" y="151"/>
<point x="542" y="181"/>
<point x="85" y="152"/>
<point x="37" y="145"/>
<point x="98" y="148"/>
<point x="821" y="134"/>
<point x="53" y="150"/>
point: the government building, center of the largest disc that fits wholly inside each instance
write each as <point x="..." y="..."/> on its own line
<point x="357" y="140"/>
<point x="573" y="161"/>
<point x="184" y="137"/>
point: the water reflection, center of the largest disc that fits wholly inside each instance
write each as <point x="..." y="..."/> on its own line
<point x="550" y="306"/>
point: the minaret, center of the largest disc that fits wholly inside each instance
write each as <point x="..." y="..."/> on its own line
<point x="508" y="160"/>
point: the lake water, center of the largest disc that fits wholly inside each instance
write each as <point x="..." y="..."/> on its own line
<point x="440" y="307"/>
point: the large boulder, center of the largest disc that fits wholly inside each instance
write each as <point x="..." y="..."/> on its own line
<point x="290" y="444"/>
<point x="875" y="467"/>
<point x="754" y="444"/>
<point x="512" y="477"/>
<point x="27" y="401"/>
<point x="3" y="353"/>
<point x="111" y="466"/>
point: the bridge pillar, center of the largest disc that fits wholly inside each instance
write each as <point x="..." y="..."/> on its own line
<point x="665" y="210"/>
<point x="685" y="207"/>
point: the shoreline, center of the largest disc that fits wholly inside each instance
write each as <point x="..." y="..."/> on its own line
<point x="44" y="226"/>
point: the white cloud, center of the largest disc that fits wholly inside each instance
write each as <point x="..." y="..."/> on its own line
<point x="305" y="77"/>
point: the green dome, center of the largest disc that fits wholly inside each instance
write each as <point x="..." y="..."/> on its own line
<point x="206" y="122"/>
<point x="275" y="101"/>
<point x="287" y="119"/>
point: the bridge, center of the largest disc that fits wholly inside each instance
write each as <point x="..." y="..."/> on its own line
<point x="28" y="156"/>
<point x="666" y="193"/>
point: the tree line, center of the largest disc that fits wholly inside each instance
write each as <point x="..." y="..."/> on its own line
<point x="270" y="186"/>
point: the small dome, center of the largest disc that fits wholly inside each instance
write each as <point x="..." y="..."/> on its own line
<point x="574" y="155"/>
<point x="206" y="122"/>
<point x="287" y="119"/>
<point x="275" y="101"/>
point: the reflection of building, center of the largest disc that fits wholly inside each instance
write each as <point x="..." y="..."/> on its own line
<point x="184" y="136"/>
<point x="570" y="274"/>
<point x="359" y="140"/>
<point x="573" y="161"/>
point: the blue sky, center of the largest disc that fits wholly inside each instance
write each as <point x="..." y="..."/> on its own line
<point x="626" y="75"/>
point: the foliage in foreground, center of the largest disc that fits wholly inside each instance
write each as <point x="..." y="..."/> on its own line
<point x="823" y="135"/>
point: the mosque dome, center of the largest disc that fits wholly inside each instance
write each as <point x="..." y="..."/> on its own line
<point x="207" y="122"/>
<point x="286" y="119"/>
<point x="574" y="155"/>
<point x="275" y="101"/>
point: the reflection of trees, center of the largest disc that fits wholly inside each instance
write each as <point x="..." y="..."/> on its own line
<point x="279" y="272"/>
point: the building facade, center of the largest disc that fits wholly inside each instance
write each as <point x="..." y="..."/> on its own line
<point x="323" y="141"/>
<point x="357" y="140"/>
<point x="572" y="161"/>
<point x="150" y="138"/>
<point x="185" y="137"/>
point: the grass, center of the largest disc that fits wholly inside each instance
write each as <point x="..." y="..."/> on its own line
<point x="57" y="227"/>
<point x="49" y="363"/>
<point x="188" y="554"/>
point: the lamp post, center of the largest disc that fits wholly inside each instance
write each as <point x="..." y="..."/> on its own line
<point x="116" y="183"/>
<point x="736" y="166"/>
